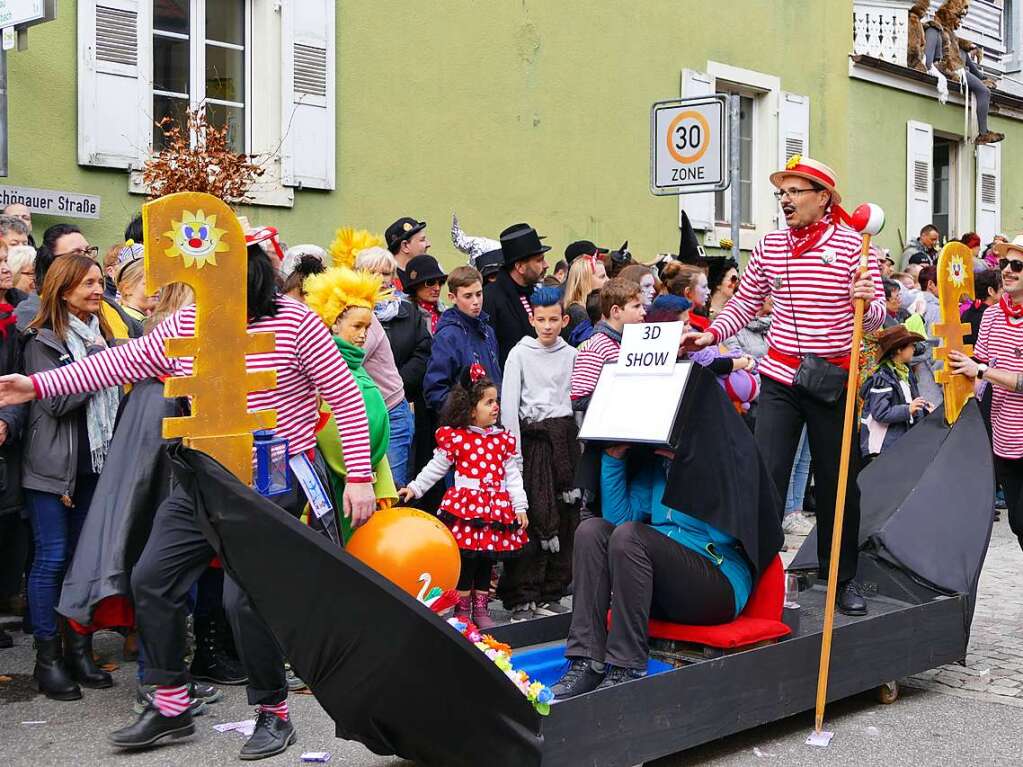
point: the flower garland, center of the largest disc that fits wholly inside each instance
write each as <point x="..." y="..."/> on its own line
<point x="537" y="693"/>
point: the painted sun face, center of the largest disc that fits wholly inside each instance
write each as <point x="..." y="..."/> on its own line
<point x="196" y="239"/>
<point x="957" y="271"/>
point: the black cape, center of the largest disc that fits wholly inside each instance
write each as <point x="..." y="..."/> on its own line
<point x="718" y="475"/>
<point x="136" y="478"/>
<point x="927" y="504"/>
<point x="509" y="318"/>
<point x="390" y="673"/>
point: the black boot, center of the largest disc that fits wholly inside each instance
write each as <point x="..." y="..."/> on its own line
<point x="80" y="664"/>
<point x="50" y="674"/>
<point x="211" y="662"/>
<point x="6" y="640"/>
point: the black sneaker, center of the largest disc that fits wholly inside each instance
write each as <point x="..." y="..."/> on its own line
<point x="212" y="664"/>
<point x="849" y="599"/>
<point x="207" y="693"/>
<point x="616" y="675"/>
<point x="144" y="698"/>
<point x="271" y="736"/>
<point x="6" y="640"/>
<point x="580" y="678"/>
<point x="151" y="727"/>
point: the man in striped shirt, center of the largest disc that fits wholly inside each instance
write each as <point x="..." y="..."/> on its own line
<point x="307" y="363"/>
<point x="811" y="272"/>
<point x="999" y="355"/>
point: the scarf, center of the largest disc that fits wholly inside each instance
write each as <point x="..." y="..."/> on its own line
<point x="802" y="239"/>
<point x="7" y="317"/>
<point x="102" y="408"/>
<point x="1012" y="311"/>
<point x="387" y="310"/>
<point x="901" y="369"/>
<point x="432" y="311"/>
<point x="610" y="332"/>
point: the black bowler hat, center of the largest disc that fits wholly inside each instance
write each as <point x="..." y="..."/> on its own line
<point x="419" y="270"/>
<point x="489" y="262"/>
<point x="400" y="231"/>
<point x="519" y="242"/>
<point x="582" y="248"/>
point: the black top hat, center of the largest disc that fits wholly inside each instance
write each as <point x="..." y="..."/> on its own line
<point x="419" y="270"/>
<point x="582" y="248"/>
<point x="489" y="262"/>
<point x="519" y="242"/>
<point x="400" y="231"/>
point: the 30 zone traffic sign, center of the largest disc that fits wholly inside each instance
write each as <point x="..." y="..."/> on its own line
<point x="689" y="145"/>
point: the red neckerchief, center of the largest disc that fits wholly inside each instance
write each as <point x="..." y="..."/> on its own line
<point x="804" y="238"/>
<point x="1012" y="311"/>
<point x="6" y="317"/>
<point x="430" y="309"/>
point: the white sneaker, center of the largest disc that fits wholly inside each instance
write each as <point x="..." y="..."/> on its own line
<point x="797" y="523"/>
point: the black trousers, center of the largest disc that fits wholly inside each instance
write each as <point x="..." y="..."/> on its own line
<point x="173" y="559"/>
<point x="1010" y="475"/>
<point x="782" y="413"/>
<point x="650" y="575"/>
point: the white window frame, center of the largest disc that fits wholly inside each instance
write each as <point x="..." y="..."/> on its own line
<point x="767" y="88"/>
<point x="197" y="43"/>
<point x="723" y="218"/>
<point x="955" y="182"/>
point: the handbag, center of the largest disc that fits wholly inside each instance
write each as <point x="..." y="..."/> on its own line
<point x="820" y="379"/>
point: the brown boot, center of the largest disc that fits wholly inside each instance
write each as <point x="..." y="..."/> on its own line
<point x="463" y="608"/>
<point x="989" y="137"/>
<point x="481" y="610"/>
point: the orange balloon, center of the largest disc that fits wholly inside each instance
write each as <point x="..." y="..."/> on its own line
<point x="409" y="547"/>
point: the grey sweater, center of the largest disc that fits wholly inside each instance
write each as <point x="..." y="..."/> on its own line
<point x="536" y="384"/>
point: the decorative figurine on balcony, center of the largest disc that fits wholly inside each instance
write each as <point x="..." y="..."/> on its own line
<point x="916" y="36"/>
<point x="945" y="60"/>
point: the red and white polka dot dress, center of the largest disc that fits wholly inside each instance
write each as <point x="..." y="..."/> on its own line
<point x="479" y="509"/>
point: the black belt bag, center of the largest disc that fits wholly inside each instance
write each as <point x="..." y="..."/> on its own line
<point x="821" y="379"/>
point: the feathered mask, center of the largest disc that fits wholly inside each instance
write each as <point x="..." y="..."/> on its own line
<point x="331" y="292"/>
<point x="473" y="247"/>
<point x="348" y="241"/>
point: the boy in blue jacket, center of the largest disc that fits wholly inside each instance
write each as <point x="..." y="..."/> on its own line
<point x="891" y="397"/>
<point x="464" y="337"/>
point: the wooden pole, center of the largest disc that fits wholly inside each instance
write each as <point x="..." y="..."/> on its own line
<point x="843" y="481"/>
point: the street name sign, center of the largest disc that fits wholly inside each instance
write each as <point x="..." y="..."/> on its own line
<point x="689" y="145"/>
<point x="51" y="202"/>
<point x="14" y="13"/>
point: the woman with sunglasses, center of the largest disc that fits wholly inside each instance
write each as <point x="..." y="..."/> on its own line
<point x="424" y="281"/>
<point x="998" y="361"/>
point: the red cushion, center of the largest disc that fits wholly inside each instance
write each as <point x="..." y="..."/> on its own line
<point x="758" y="622"/>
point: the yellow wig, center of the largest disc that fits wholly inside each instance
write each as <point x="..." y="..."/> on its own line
<point x="348" y="241"/>
<point x="331" y="292"/>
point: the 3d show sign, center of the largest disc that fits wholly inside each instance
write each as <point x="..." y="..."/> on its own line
<point x="689" y="145"/>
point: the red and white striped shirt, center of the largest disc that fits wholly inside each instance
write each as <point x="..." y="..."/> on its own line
<point x="1000" y="345"/>
<point x="599" y="349"/>
<point x="812" y="311"/>
<point x="306" y="360"/>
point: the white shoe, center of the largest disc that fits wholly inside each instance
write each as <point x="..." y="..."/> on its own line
<point x="796" y="523"/>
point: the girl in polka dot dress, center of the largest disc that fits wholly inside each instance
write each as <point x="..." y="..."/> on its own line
<point x="486" y="507"/>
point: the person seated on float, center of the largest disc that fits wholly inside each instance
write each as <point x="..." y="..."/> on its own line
<point x="657" y="562"/>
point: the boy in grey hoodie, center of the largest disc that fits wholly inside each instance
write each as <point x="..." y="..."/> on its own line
<point x="536" y="407"/>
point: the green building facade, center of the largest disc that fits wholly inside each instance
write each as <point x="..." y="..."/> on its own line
<point x="508" y="111"/>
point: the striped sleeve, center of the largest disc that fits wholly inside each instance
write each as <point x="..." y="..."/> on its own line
<point x="328" y="371"/>
<point x="981" y="349"/>
<point x="134" y="361"/>
<point x="873" y="316"/>
<point x="743" y="306"/>
<point x="588" y="364"/>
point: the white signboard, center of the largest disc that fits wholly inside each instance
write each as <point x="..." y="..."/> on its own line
<point x="627" y="408"/>
<point x="51" y="202"/>
<point x="689" y="145"/>
<point x="649" y="348"/>
<point x="16" y="12"/>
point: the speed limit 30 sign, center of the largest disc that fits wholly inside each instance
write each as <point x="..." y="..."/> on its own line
<point x="689" y="145"/>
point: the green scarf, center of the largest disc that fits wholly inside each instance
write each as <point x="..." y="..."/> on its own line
<point x="901" y="369"/>
<point x="376" y="412"/>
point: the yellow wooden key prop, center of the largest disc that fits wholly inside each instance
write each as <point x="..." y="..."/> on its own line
<point x="955" y="281"/>
<point x="196" y="239"/>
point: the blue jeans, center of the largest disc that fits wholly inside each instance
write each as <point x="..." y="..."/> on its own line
<point x="55" y="531"/>
<point x="799" y="476"/>
<point x="403" y="429"/>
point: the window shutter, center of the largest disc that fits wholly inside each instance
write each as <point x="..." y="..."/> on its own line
<point x="793" y="132"/>
<point x="115" y="102"/>
<point x="699" y="207"/>
<point x="989" y="191"/>
<point x="919" y="172"/>
<point x="308" y="144"/>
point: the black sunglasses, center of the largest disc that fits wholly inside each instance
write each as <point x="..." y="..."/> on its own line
<point x="1015" y="264"/>
<point x="434" y="283"/>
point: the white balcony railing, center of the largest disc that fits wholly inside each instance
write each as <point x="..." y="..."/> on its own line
<point x="879" y="29"/>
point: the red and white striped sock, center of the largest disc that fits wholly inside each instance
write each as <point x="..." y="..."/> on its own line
<point x="280" y="709"/>
<point x="171" y="701"/>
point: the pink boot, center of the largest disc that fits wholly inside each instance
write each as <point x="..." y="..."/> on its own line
<point x="481" y="610"/>
<point x="463" y="608"/>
